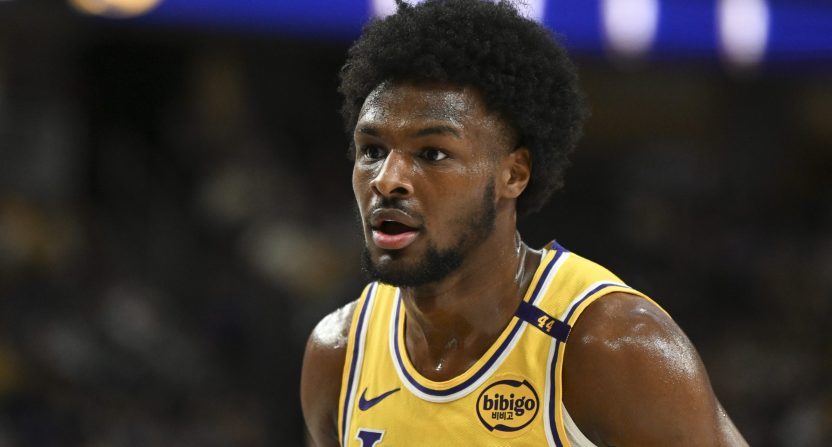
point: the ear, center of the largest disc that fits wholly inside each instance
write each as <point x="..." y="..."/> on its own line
<point x="515" y="172"/>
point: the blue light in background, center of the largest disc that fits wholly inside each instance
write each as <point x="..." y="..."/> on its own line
<point x="798" y="30"/>
<point x="686" y="28"/>
<point x="801" y="31"/>
<point x="340" y="19"/>
<point x="577" y="22"/>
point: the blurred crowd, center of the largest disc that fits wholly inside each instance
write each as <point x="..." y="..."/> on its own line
<point x="176" y="215"/>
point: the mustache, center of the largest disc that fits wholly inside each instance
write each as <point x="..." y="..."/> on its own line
<point x="384" y="203"/>
<point x="391" y="203"/>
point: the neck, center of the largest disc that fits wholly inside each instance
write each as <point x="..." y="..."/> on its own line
<point x="451" y="323"/>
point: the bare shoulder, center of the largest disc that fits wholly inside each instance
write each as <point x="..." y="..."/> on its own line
<point x="632" y="377"/>
<point x="323" y="365"/>
<point x="332" y="332"/>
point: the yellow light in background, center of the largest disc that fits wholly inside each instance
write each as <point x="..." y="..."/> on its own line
<point x="115" y="8"/>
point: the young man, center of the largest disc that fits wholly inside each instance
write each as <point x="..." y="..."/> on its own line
<point x="463" y="114"/>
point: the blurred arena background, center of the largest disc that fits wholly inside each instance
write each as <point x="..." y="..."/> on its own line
<point x="176" y="211"/>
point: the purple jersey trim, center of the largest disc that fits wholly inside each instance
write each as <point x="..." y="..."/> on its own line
<point x="551" y="326"/>
<point x="476" y="376"/>
<point x="555" y="246"/>
<point x="355" y="352"/>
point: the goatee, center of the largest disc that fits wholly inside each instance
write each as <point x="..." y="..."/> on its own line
<point x="437" y="264"/>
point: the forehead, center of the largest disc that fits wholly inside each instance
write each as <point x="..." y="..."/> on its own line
<point x="409" y="104"/>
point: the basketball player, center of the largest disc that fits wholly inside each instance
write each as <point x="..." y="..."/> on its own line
<point x="462" y="114"/>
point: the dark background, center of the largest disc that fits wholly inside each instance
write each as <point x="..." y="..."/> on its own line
<point x="176" y="214"/>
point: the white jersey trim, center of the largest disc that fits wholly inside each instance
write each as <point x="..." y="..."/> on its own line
<point x="573" y="433"/>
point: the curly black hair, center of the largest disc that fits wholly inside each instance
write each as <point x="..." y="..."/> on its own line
<point x="523" y="74"/>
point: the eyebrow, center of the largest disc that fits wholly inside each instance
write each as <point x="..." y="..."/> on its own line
<point x="432" y="130"/>
<point x="368" y="130"/>
<point x="437" y="130"/>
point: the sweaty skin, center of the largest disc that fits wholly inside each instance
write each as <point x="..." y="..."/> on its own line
<point x="631" y="376"/>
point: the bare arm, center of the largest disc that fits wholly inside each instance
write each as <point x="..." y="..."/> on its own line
<point x="632" y="378"/>
<point x="323" y="365"/>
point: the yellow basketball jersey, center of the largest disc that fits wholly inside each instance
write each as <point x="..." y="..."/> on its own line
<point x="512" y="396"/>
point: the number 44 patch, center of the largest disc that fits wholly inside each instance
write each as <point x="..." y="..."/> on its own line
<point x="546" y="323"/>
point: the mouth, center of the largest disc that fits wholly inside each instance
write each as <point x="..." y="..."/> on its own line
<point x="393" y="230"/>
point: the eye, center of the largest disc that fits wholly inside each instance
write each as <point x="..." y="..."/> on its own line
<point x="433" y="154"/>
<point x="372" y="152"/>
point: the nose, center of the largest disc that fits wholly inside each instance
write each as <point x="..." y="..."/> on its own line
<point x="392" y="178"/>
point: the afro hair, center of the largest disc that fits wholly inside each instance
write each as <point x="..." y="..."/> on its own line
<point x="523" y="74"/>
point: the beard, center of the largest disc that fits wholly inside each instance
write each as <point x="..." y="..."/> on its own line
<point x="437" y="263"/>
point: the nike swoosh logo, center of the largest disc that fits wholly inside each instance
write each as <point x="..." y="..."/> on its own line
<point x="365" y="404"/>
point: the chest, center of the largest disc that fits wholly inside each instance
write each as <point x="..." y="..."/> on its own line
<point x="501" y="400"/>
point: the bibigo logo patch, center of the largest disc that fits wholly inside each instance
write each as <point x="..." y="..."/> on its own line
<point x="507" y="406"/>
